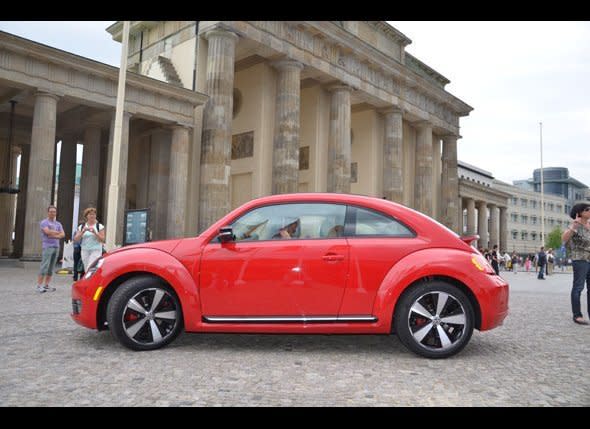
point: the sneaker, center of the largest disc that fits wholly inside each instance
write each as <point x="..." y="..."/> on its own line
<point x="41" y="289"/>
<point x="49" y="288"/>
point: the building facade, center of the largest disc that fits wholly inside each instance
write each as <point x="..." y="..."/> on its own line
<point x="219" y="112"/>
<point x="335" y="106"/>
<point x="484" y="208"/>
<point x="49" y="96"/>
<point x="524" y="217"/>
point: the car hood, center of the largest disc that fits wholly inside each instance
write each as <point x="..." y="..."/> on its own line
<point x="163" y="245"/>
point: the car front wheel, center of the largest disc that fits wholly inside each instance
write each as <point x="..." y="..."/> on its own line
<point x="434" y="320"/>
<point x="144" y="314"/>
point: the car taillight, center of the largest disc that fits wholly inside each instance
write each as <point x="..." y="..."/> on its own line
<point x="482" y="264"/>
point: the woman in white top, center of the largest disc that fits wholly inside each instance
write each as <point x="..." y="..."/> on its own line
<point x="92" y="235"/>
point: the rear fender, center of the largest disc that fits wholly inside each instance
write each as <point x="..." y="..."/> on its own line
<point x="159" y="264"/>
<point x="439" y="262"/>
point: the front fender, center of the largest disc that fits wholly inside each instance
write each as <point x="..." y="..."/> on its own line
<point x="452" y="263"/>
<point x="160" y="264"/>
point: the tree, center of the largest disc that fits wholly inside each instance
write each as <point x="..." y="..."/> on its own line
<point x="553" y="240"/>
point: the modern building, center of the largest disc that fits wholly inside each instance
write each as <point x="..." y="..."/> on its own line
<point x="219" y="112"/>
<point x="556" y="181"/>
<point x="524" y="217"/>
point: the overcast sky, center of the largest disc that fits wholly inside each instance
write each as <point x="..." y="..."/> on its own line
<point x="514" y="75"/>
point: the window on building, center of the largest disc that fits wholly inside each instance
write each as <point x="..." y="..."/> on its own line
<point x="524" y="219"/>
<point x="514" y="235"/>
<point x="524" y="235"/>
<point x="533" y="236"/>
<point x="514" y="201"/>
<point x="523" y="202"/>
<point x="550" y="207"/>
<point x="533" y="220"/>
<point x="533" y="204"/>
<point x="514" y="217"/>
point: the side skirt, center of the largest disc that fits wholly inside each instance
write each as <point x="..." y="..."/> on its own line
<point x="288" y="319"/>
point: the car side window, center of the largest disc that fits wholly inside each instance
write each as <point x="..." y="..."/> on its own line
<point x="371" y="223"/>
<point x="291" y="221"/>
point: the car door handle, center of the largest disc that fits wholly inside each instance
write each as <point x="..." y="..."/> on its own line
<point x="332" y="257"/>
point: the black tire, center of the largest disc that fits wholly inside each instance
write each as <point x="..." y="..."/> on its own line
<point x="430" y="331"/>
<point x="136" y="322"/>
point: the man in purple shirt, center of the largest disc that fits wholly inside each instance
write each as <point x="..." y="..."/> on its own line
<point x="51" y="233"/>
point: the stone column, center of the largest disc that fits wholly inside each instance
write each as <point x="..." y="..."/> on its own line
<point x="217" y="121"/>
<point x="450" y="206"/>
<point x="7" y="216"/>
<point x="177" y="194"/>
<point x="285" y="170"/>
<point x="393" y="156"/>
<point x="21" y="202"/>
<point x="107" y="168"/>
<point x="5" y="199"/>
<point x="494" y="226"/>
<point x="102" y="171"/>
<point x="160" y="169"/>
<point x="482" y="223"/>
<point x="461" y="217"/>
<point x="503" y="229"/>
<point x="339" y="150"/>
<point x="67" y="183"/>
<point x="424" y="194"/>
<point x="91" y="170"/>
<point x="470" y="216"/>
<point x="41" y="165"/>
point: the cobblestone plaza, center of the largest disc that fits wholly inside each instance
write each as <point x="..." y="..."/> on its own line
<point x="537" y="358"/>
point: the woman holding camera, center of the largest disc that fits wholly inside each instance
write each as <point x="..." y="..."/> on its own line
<point x="92" y="236"/>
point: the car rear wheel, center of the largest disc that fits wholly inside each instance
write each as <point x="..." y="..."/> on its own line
<point x="144" y="314"/>
<point x="434" y="319"/>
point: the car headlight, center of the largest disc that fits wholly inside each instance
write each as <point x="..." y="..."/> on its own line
<point x="93" y="267"/>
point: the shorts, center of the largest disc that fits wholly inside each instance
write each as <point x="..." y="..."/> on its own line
<point x="48" y="260"/>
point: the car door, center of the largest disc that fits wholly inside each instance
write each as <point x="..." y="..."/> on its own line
<point x="264" y="273"/>
<point x="377" y="242"/>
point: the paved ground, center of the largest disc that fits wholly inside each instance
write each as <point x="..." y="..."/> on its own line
<point x="538" y="357"/>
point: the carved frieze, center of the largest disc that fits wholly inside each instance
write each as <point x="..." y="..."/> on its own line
<point x="332" y="51"/>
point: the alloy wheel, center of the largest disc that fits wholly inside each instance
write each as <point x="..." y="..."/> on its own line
<point x="150" y="316"/>
<point x="437" y="320"/>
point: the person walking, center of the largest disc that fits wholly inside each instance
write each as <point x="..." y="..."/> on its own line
<point x="577" y="239"/>
<point x="550" y="262"/>
<point x="91" y="236"/>
<point x="495" y="260"/>
<point x="541" y="262"/>
<point x="51" y="232"/>
<point x="514" y="262"/>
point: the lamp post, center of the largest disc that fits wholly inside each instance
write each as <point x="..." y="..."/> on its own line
<point x="114" y="190"/>
<point x="542" y="189"/>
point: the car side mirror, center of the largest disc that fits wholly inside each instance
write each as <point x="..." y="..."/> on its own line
<point x="226" y="234"/>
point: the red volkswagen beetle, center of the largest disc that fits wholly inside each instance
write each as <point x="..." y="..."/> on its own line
<point x="300" y="263"/>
